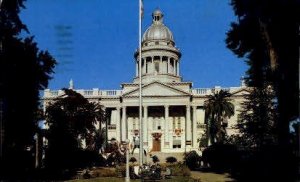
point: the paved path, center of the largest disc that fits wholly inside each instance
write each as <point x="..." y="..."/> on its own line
<point x="211" y="177"/>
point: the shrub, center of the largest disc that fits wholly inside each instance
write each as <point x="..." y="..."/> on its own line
<point x="86" y="175"/>
<point x="192" y="160"/>
<point x="155" y="159"/>
<point x="179" y="169"/>
<point x="221" y="157"/>
<point x="186" y="171"/>
<point x="121" y="171"/>
<point x="103" y="172"/>
<point x="132" y="159"/>
<point x="171" y="160"/>
<point x="115" y="159"/>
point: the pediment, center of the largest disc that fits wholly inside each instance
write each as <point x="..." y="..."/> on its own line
<point x="157" y="89"/>
<point x="242" y="91"/>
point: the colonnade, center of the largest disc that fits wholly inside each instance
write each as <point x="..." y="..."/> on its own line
<point x="158" y="65"/>
<point x="189" y="129"/>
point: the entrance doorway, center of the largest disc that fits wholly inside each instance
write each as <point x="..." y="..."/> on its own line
<point x="156" y="145"/>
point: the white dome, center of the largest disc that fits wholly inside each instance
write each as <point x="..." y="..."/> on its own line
<point x="158" y="31"/>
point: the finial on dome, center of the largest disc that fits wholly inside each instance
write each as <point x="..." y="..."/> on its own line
<point x="71" y="84"/>
<point x="157" y="16"/>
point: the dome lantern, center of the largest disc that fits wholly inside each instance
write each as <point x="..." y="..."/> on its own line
<point x="157" y="16"/>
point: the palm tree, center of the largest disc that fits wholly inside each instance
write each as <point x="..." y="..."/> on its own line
<point x="217" y="109"/>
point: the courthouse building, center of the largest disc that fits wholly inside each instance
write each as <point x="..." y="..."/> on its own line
<point x="173" y="113"/>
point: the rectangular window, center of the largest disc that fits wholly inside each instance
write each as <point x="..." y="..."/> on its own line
<point x="178" y="123"/>
<point x="176" y="142"/>
<point x="134" y="124"/>
<point x="174" y="123"/>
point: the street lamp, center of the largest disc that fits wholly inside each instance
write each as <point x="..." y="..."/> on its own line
<point x="127" y="178"/>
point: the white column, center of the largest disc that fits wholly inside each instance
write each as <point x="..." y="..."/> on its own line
<point x="166" y="123"/>
<point x="124" y="123"/>
<point x="188" y="129"/>
<point x="194" y="127"/>
<point x="174" y="67"/>
<point x="150" y="129"/>
<point x="168" y="65"/>
<point x="170" y="132"/>
<point x="129" y="126"/>
<point x="177" y="68"/>
<point x="118" y="127"/>
<point x="137" y="69"/>
<point x="152" y="65"/>
<point x="145" y="126"/>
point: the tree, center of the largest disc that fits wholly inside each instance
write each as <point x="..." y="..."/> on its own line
<point x="267" y="35"/>
<point x="71" y="120"/>
<point x="24" y="72"/>
<point x="217" y="109"/>
<point x="258" y="118"/>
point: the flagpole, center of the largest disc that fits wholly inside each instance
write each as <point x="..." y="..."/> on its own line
<point x="140" y="85"/>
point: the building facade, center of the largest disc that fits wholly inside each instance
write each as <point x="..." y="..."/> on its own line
<point x="173" y="112"/>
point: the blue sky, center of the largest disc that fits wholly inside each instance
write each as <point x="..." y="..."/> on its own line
<point x="94" y="40"/>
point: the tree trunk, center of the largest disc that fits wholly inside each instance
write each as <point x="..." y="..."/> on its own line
<point x="272" y="53"/>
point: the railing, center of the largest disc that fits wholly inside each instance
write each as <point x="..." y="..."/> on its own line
<point x="201" y="91"/>
<point x="88" y="93"/>
<point x="111" y="92"/>
<point x="209" y="91"/>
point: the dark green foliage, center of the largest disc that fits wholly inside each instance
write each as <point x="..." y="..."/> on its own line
<point x="192" y="160"/>
<point x="265" y="164"/>
<point x="217" y="109"/>
<point x="120" y="171"/>
<point x="203" y="141"/>
<point x="116" y="154"/>
<point x="179" y="169"/>
<point x="132" y="159"/>
<point x="257" y="121"/>
<point x="155" y="159"/>
<point x="25" y="68"/>
<point x="71" y="119"/>
<point x="220" y="157"/>
<point x="171" y="159"/>
<point x="267" y="36"/>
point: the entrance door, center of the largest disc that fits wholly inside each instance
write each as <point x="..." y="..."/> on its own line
<point x="156" y="145"/>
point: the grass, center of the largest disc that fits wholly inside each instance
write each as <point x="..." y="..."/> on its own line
<point x="211" y="177"/>
<point x="111" y="179"/>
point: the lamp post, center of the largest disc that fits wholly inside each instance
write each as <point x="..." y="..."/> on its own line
<point x="127" y="178"/>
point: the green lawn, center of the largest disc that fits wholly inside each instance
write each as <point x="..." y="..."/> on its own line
<point x="111" y="179"/>
<point x="211" y="177"/>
